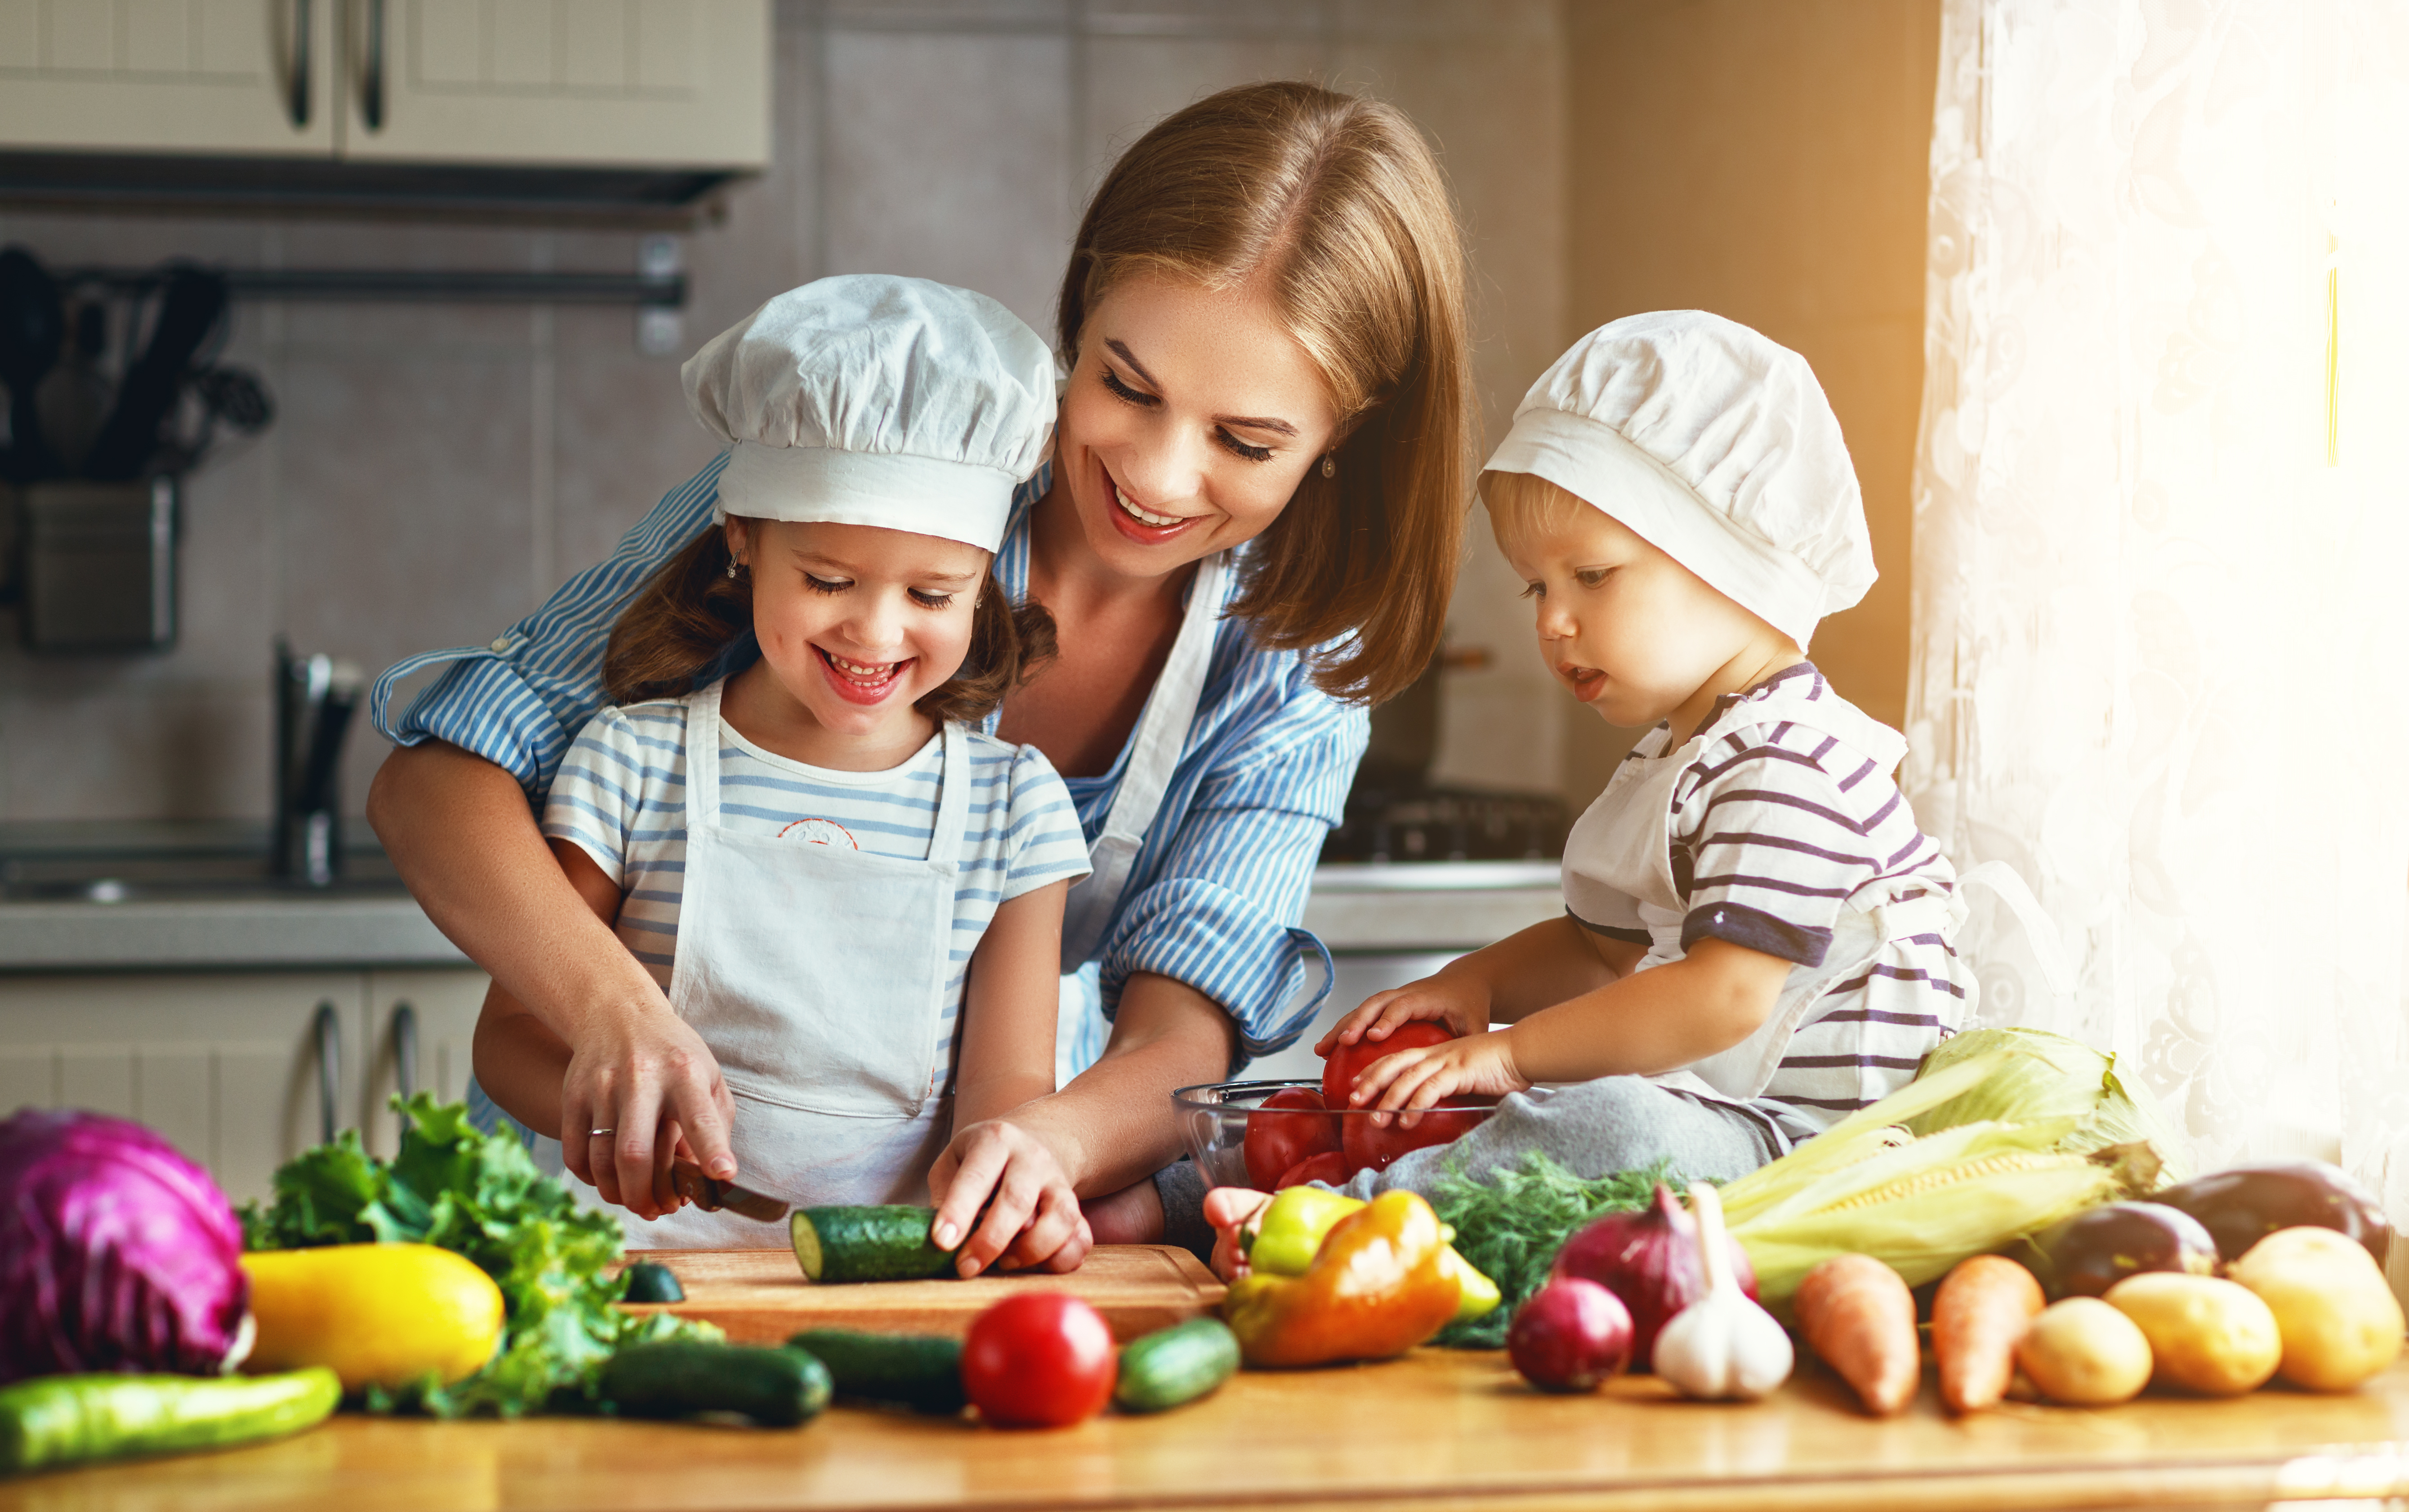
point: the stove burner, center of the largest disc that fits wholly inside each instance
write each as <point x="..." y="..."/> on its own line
<point x="1419" y="823"/>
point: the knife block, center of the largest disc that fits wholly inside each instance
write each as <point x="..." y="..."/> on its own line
<point x="97" y="563"/>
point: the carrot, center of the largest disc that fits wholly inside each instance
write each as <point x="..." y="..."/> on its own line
<point x="1859" y="1318"/>
<point x="1978" y="1314"/>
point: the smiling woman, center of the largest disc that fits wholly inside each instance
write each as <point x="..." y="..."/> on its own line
<point x="1249" y="531"/>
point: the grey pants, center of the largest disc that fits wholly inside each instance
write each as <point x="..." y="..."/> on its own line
<point x="1615" y="1123"/>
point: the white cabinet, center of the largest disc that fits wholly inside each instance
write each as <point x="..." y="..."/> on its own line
<point x="167" y="76"/>
<point x="232" y="1067"/>
<point x="579" y="83"/>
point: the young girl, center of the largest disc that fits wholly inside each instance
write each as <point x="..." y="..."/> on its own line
<point x="853" y="896"/>
<point x="1756" y="938"/>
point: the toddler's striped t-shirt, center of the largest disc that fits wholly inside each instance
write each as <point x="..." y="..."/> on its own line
<point x="621" y="799"/>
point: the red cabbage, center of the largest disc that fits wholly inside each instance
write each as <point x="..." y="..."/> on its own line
<point x="116" y="1252"/>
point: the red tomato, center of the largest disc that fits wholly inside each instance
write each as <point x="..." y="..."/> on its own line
<point x="1329" y="1166"/>
<point x="1277" y="1140"/>
<point x="1347" y="1062"/>
<point x="1039" y="1359"/>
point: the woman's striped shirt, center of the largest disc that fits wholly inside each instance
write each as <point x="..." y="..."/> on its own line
<point x="1218" y="890"/>
<point x="1787" y="817"/>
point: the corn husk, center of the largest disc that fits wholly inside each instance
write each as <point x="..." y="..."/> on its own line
<point x="1922" y="1203"/>
<point x="2049" y="1075"/>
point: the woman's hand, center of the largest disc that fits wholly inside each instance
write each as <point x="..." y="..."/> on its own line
<point x="1033" y="1217"/>
<point x="1476" y="1065"/>
<point x="1458" y="1001"/>
<point x="639" y="1083"/>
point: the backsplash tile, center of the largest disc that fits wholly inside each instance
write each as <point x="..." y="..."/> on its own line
<point x="434" y="469"/>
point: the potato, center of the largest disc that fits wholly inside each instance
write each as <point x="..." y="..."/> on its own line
<point x="2084" y="1353"/>
<point x="2339" y="1319"/>
<point x="2207" y="1335"/>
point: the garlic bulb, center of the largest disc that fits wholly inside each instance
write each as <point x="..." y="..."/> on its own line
<point x="1722" y="1347"/>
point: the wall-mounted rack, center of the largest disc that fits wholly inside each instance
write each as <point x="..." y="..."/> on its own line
<point x="366" y="285"/>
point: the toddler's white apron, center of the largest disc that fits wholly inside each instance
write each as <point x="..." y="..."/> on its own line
<point x="1623" y="845"/>
<point x="817" y="975"/>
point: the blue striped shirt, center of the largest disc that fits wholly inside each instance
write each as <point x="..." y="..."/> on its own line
<point x="620" y="797"/>
<point x="1219" y="889"/>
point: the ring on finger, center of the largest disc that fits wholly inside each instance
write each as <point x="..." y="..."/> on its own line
<point x="598" y="1134"/>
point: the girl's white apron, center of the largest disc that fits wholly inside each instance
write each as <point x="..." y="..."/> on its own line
<point x="817" y="977"/>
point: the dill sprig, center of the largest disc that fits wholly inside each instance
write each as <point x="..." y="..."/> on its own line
<point x="1510" y="1226"/>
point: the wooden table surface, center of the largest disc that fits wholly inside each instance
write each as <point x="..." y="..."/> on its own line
<point x="1435" y="1430"/>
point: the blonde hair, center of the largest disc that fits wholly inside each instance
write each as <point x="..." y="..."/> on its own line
<point x="1523" y="505"/>
<point x="1338" y="206"/>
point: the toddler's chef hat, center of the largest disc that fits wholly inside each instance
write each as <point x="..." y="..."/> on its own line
<point x="869" y="399"/>
<point x="1716" y="446"/>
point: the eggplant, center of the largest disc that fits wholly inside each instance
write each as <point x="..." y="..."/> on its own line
<point x="2092" y="1250"/>
<point x="2241" y="1206"/>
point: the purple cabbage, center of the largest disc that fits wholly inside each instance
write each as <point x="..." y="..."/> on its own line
<point x="116" y="1252"/>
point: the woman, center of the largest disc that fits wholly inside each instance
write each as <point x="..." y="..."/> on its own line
<point x="1249" y="531"/>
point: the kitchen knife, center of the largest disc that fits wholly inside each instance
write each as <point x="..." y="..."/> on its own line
<point x="711" y="1195"/>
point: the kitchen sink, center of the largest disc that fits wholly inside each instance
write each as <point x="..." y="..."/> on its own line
<point x="148" y="863"/>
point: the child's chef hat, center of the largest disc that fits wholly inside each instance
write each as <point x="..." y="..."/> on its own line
<point x="869" y="399"/>
<point x="1716" y="446"/>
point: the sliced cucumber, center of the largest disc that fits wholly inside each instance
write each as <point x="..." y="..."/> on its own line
<point x="678" y="1378"/>
<point x="646" y="1281"/>
<point x="919" y="1371"/>
<point x="1176" y="1365"/>
<point x="868" y="1244"/>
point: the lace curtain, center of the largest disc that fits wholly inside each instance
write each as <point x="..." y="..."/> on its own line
<point x="2160" y="545"/>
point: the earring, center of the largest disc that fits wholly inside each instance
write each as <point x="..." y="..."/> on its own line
<point x="1328" y="467"/>
<point x="731" y="569"/>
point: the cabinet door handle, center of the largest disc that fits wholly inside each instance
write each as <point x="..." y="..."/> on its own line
<point x="405" y="1050"/>
<point x="372" y="87"/>
<point x="328" y="1029"/>
<point x="297" y="102"/>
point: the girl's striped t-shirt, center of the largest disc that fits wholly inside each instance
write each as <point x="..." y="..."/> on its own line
<point x="620" y="797"/>
<point x="1777" y="825"/>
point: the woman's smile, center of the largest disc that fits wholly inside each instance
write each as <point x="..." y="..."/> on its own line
<point x="1146" y="526"/>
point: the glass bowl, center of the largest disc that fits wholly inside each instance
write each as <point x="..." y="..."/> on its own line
<point x="1216" y="1117"/>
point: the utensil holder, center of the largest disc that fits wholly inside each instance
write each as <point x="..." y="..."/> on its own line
<point x="97" y="563"/>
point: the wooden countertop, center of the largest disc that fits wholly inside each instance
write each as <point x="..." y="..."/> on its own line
<point x="1435" y="1430"/>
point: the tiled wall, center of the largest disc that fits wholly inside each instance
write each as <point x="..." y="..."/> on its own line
<point x="435" y="470"/>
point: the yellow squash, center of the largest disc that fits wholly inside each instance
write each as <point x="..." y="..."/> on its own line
<point x="377" y="1314"/>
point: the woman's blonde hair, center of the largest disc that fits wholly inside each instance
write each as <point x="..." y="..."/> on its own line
<point x="1338" y="206"/>
<point x="689" y="611"/>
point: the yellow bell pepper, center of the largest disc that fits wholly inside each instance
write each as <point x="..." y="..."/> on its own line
<point x="1300" y="1217"/>
<point x="1380" y="1284"/>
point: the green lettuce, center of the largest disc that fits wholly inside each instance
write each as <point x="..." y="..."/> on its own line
<point x="480" y="1196"/>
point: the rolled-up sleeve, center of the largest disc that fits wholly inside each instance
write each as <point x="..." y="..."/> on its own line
<point x="1221" y="911"/>
<point x="519" y="700"/>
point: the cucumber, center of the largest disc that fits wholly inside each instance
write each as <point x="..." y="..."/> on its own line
<point x="919" y="1371"/>
<point x="1175" y="1366"/>
<point x="678" y="1378"/>
<point x="868" y="1244"/>
<point x="74" y="1420"/>
<point x="647" y="1281"/>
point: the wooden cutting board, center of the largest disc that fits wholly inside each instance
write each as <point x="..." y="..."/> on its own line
<point x="760" y="1296"/>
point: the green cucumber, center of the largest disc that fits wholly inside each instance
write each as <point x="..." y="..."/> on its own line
<point x="1175" y="1366"/>
<point x="868" y="1244"/>
<point x="678" y="1378"/>
<point x="648" y="1281"/>
<point x="60" y="1421"/>
<point x="919" y="1371"/>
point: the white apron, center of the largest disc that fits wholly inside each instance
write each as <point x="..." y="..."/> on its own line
<point x="817" y="975"/>
<point x="1623" y="845"/>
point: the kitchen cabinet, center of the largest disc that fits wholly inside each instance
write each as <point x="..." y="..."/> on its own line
<point x="520" y="83"/>
<point x="230" y="1066"/>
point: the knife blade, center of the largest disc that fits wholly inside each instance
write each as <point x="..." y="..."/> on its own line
<point x="711" y="1195"/>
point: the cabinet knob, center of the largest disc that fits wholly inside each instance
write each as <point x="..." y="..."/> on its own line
<point x="328" y="1029"/>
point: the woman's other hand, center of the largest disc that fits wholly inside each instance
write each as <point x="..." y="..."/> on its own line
<point x="637" y="1083"/>
<point x="1459" y="1001"/>
<point x="1032" y="1220"/>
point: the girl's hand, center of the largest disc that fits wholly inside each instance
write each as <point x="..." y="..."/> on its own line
<point x="1456" y="1001"/>
<point x="1481" y="1065"/>
<point x="1233" y="1211"/>
<point x="1033" y="1217"/>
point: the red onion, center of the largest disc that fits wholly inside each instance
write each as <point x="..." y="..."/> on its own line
<point x="1649" y="1259"/>
<point x="1570" y="1336"/>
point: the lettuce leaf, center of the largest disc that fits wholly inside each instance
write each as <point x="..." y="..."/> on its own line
<point x="480" y="1196"/>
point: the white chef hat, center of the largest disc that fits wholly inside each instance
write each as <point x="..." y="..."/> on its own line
<point x="869" y="399"/>
<point x="1716" y="446"/>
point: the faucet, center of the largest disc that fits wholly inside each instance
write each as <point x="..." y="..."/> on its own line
<point x="315" y="697"/>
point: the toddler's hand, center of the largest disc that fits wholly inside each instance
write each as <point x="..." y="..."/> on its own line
<point x="1476" y="1065"/>
<point x="1232" y="1211"/>
<point x="1462" y="1006"/>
